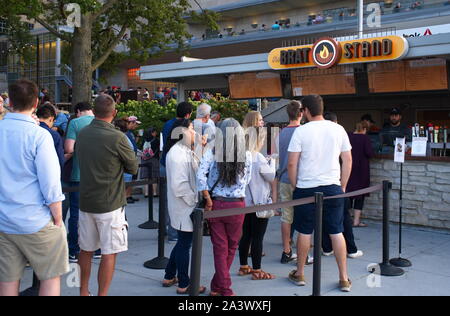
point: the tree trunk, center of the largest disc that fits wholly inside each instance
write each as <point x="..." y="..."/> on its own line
<point x="82" y="61"/>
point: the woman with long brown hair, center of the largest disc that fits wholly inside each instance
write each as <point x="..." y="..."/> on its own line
<point x="226" y="171"/>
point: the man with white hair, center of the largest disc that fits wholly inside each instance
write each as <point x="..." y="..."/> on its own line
<point x="202" y="124"/>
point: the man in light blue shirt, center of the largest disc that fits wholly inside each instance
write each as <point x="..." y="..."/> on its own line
<point x="31" y="227"/>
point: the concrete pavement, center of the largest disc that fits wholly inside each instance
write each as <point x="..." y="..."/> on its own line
<point x="429" y="251"/>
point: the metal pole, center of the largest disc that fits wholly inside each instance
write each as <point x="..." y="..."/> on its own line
<point x="160" y="262"/>
<point x="317" y="272"/>
<point x="150" y="224"/>
<point x="360" y="18"/>
<point x="400" y="262"/>
<point x="386" y="268"/>
<point x="196" y="263"/>
<point x="386" y="189"/>
<point x="38" y="47"/>
<point x="401" y="211"/>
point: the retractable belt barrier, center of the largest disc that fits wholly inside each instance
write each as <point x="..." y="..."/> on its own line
<point x="199" y="215"/>
<point x="258" y="208"/>
<point x="127" y="184"/>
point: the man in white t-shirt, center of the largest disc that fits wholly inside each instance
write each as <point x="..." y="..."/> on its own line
<point x="314" y="166"/>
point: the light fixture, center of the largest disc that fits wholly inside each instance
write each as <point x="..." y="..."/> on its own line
<point x="229" y="29"/>
<point x="254" y="25"/>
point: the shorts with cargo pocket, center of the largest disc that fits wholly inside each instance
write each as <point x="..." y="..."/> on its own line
<point x="46" y="251"/>
<point x="108" y="232"/>
<point x="285" y="195"/>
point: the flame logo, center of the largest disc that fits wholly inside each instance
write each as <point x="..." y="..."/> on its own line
<point x="324" y="53"/>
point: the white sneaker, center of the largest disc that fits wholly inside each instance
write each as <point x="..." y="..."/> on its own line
<point x="309" y="260"/>
<point x="355" y="255"/>
<point x="328" y="254"/>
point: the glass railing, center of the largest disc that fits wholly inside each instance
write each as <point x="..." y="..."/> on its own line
<point x="330" y="17"/>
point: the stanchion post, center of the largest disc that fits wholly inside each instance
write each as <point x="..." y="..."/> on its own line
<point x="150" y="224"/>
<point x="386" y="268"/>
<point x="400" y="262"/>
<point x="197" y="244"/>
<point x="317" y="274"/>
<point x="160" y="262"/>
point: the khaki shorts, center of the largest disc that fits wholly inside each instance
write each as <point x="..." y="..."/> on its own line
<point x="285" y="195"/>
<point x="46" y="251"/>
<point x="108" y="232"/>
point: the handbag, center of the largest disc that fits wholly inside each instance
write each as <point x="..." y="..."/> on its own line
<point x="202" y="202"/>
<point x="66" y="174"/>
<point x="147" y="153"/>
<point x="262" y="214"/>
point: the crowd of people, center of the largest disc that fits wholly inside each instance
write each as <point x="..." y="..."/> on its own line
<point x="210" y="160"/>
<point x="237" y="174"/>
<point x="161" y="95"/>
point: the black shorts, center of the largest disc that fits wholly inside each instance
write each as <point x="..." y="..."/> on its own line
<point x="333" y="211"/>
<point x="357" y="203"/>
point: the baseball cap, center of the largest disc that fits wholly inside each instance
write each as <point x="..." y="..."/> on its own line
<point x="396" y="111"/>
<point x="367" y="117"/>
<point x="133" y="119"/>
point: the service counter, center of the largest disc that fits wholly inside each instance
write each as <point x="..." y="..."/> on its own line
<point x="426" y="190"/>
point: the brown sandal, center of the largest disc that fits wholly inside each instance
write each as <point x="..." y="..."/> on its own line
<point x="170" y="283"/>
<point x="261" y="275"/>
<point x="245" y="271"/>
<point x="202" y="290"/>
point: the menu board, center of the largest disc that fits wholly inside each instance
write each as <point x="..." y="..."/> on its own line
<point x="387" y="77"/>
<point x="255" y="85"/>
<point x="427" y="74"/>
<point x="408" y="75"/>
<point x="326" y="84"/>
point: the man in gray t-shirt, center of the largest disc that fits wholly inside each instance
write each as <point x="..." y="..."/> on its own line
<point x="294" y="110"/>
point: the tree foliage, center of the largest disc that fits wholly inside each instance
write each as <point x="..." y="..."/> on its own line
<point x="144" y="28"/>
<point x="151" y="114"/>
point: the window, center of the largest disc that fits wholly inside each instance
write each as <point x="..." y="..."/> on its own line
<point x="3" y="27"/>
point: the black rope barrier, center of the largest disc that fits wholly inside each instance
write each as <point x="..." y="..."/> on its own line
<point x="199" y="215"/>
<point x="317" y="269"/>
<point x="160" y="262"/>
<point x="150" y="223"/>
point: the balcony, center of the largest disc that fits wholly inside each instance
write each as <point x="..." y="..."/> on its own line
<point x="406" y="15"/>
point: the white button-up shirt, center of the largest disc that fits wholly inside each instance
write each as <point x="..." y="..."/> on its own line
<point x="182" y="194"/>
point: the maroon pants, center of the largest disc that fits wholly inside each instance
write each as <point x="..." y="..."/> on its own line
<point x="225" y="236"/>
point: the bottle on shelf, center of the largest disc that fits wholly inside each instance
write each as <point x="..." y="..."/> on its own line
<point x="436" y="135"/>
<point x="430" y="134"/>
<point x="445" y="135"/>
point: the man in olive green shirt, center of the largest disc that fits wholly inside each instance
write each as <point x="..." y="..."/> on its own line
<point x="104" y="155"/>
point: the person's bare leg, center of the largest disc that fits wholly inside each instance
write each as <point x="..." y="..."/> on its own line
<point x="340" y="252"/>
<point x="357" y="218"/>
<point x="286" y="236"/>
<point x="9" y="288"/>
<point x="303" y="246"/>
<point x="145" y="190"/>
<point x="106" y="273"/>
<point x="85" y="262"/>
<point x="50" y="287"/>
